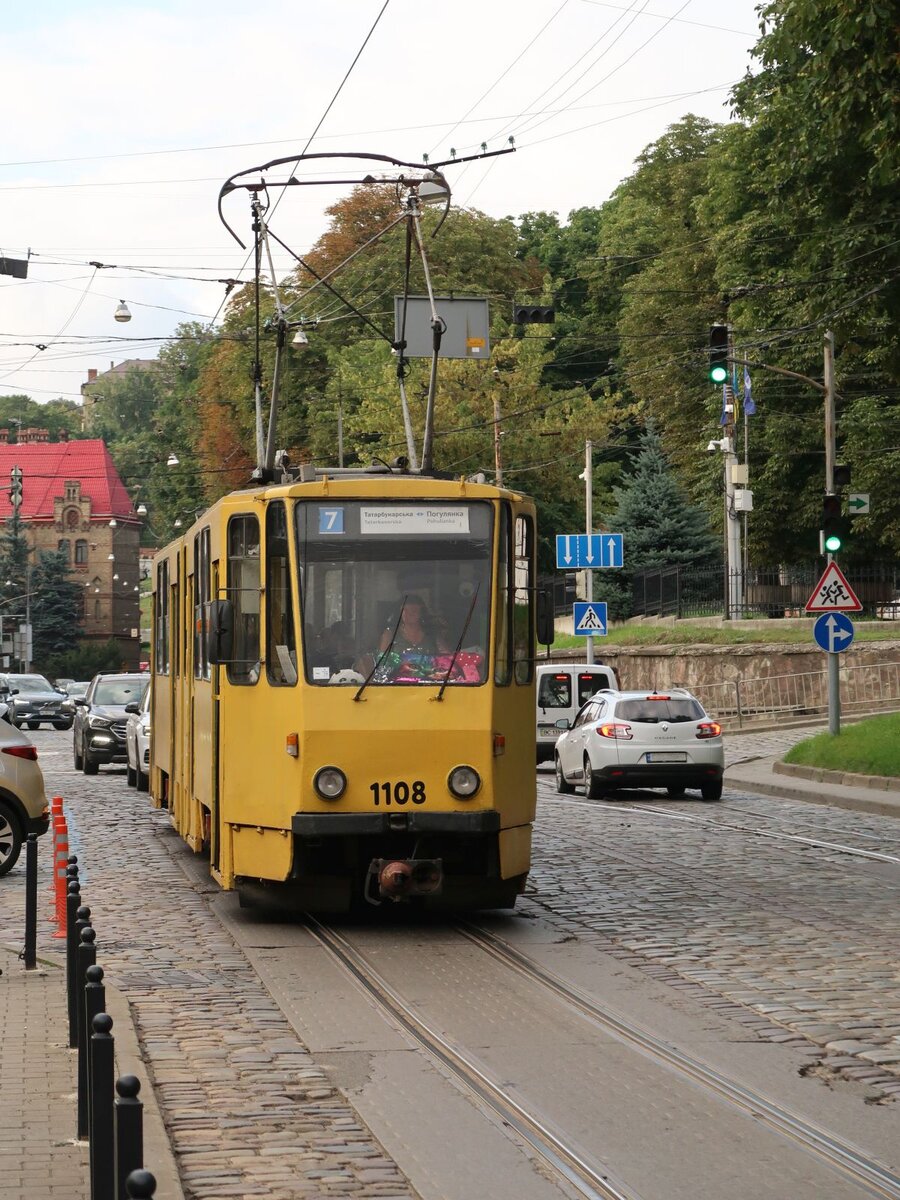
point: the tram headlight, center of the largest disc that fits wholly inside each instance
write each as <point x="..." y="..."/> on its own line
<point x="464" y="782"/>
<point x="330" y="783"/>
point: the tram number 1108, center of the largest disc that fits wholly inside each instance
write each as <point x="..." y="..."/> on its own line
<point x="398" y="793"/>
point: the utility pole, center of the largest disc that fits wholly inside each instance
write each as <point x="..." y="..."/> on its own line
<point x="834" y="666"/>
<point x="589" y="529"/>
<point x="495" y="396"/>
<point x="735" y="590"/>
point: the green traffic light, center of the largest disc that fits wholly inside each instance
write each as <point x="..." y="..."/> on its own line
<point x="832" y="543"/>
<point x="718" y="374"/>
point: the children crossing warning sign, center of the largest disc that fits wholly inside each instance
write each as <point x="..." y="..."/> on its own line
<point x="833" y="593"/>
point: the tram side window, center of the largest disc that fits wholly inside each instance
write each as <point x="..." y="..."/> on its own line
<point x="503" y="656"/>
<point x="281" y="649"/>
<point x="523" y="599"/>
<point x="201" y="600"/>
<point x="243" y="592"/>
<point x="161" y="632"/>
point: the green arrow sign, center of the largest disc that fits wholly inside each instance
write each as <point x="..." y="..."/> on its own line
<point x="858" y="503"/>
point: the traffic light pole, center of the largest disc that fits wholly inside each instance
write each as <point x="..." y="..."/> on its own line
<point x="834" y="666"/>
<point x="589" y="529"/>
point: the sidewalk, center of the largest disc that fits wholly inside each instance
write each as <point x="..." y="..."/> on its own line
<point x="38" y="1072"/>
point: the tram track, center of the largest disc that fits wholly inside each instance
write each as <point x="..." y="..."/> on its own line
<point x="840" y="1155"/>
<point x="563" y="1159"/>
<point x="733" y="827"/>
<point x="567" y="1161"/>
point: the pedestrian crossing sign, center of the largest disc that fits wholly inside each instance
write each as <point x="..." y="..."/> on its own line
<point x="590" y="619"/>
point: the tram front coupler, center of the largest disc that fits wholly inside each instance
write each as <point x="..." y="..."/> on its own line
<point x="400" y="878"/>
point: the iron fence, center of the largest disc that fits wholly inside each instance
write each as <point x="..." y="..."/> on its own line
<point x="686" y="591"/>
<point x="803" y="694"/>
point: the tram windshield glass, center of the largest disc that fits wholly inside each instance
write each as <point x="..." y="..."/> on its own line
<point x="391" y="589"/>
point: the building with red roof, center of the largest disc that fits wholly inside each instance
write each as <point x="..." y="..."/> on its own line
<point x="73" y="500"/>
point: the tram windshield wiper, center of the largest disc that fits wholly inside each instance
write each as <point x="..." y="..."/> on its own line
<point x="462" y="635"/>
<point x="383" y="655"/>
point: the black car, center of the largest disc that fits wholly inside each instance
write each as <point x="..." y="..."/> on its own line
<point x="34" y="701"/>
<point x="99" y="730"/>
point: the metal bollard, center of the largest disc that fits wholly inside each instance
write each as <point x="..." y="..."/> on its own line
<point x="140" y="1185"/>
<point x="129" y="1130"/>
<point x="73" y="930"/>
<point x="94" y="1003"/>
<point x="87" y="957"/>
<point x="29" y="954"/>
<point x="102" y="1073"/>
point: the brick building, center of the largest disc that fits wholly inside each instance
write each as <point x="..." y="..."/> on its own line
<point x="74" y="500"/>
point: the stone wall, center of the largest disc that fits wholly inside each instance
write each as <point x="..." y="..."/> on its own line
<point x="703" y="665"/>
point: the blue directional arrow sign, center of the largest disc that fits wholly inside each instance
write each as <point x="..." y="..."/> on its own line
<point x="590" y="619"/>
<point x="591" y="550"/>
<point x="833" y="632"/>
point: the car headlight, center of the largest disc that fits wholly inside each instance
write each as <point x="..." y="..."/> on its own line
<point x="330" y="783"/>
<point x="99" y="722"/>
<point x="463" y="782"/>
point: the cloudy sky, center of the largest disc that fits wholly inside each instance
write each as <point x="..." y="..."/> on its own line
<point x="124" y="119"/>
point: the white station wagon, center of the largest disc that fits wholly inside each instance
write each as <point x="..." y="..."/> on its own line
<point x="641" y="740"/>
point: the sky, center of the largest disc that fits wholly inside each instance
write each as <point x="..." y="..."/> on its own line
<point x="126" y="119"/>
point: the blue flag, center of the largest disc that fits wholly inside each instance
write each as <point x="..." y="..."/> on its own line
<point x="749" y="406"/>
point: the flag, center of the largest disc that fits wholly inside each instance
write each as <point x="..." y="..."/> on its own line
<point x="749" y="406"/>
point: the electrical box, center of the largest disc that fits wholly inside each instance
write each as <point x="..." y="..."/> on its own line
<point x="743" y="500"/>
<point x="740" y="474"/>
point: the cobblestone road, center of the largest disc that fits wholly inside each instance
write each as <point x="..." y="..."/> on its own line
<point x="802" y="940"/>
<point x="799" y="942"/>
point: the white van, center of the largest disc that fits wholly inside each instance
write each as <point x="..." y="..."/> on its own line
<point x="562" y="688"/>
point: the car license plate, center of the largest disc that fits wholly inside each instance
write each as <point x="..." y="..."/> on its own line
<point x="548" y="731"/>
<point x="666" y="756"/>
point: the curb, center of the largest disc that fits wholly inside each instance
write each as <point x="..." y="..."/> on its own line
<point x="884" y="783"/>
<point x="832" y="798"/>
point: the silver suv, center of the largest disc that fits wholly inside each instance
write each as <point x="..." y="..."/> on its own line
<point x="23" y="803"/>
<point x="34" y="701"/>
<point x="641" y="740"/>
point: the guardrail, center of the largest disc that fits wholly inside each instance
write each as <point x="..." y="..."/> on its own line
<point x="804" y="694"/>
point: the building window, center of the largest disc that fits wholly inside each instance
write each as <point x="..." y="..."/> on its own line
<point x="81" y="551"/>
<point x="73" y="516"/>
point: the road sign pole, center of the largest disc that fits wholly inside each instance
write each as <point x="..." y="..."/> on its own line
<point x="588" y="528"/>
<point x="834" y="694"/>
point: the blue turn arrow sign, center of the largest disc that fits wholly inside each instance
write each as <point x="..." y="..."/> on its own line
<point x="591" y="550"/>
<point x="833" y="632"/>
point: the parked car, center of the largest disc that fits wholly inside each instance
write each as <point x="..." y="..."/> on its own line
<point x="99" y="728"/>
<point x="641" y="739"/>
<point x="23" y="803"/>
<point x="74" y="691"/>
<point x="137" y="741"/>
<point x="562" y="688"/>
<point x="34" y="701"/>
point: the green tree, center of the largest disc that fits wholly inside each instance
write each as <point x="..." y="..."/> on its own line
<point x="659" y="524"/>
<point x="54" y="608"/>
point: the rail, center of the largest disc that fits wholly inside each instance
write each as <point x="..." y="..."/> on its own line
<point x="803" y="694"/>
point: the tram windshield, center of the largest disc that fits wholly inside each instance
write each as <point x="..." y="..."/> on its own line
<point x="391" y="589"/>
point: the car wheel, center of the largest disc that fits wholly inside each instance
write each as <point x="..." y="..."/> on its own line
<point x="562" y="784"/>
<point x="711" y="791"/>
<point x="675" y="791"/>
<point x="79" y="759"/>
<point x="34" y="724"/>
<point x="143" y="781"/>
<point x="62" y="724"/>
<point x="593" y="788"/>
<point x="10" y="839"/>
<point x="131" y="776"/>
<point x="89" y="765"/>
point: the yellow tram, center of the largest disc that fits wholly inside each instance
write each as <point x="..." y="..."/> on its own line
<point x="343" y="690"/>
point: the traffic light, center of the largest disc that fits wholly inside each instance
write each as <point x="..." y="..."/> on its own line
<point x="718" y="353"/>
<point x="833" y="524"/>
<point x="841" y="474"/>
<point x="533" y="314"/>
<point x="15" y="487"/>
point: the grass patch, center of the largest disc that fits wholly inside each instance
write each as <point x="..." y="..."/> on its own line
<point x="869" y="747"/>
<point x="725" y="635"/>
